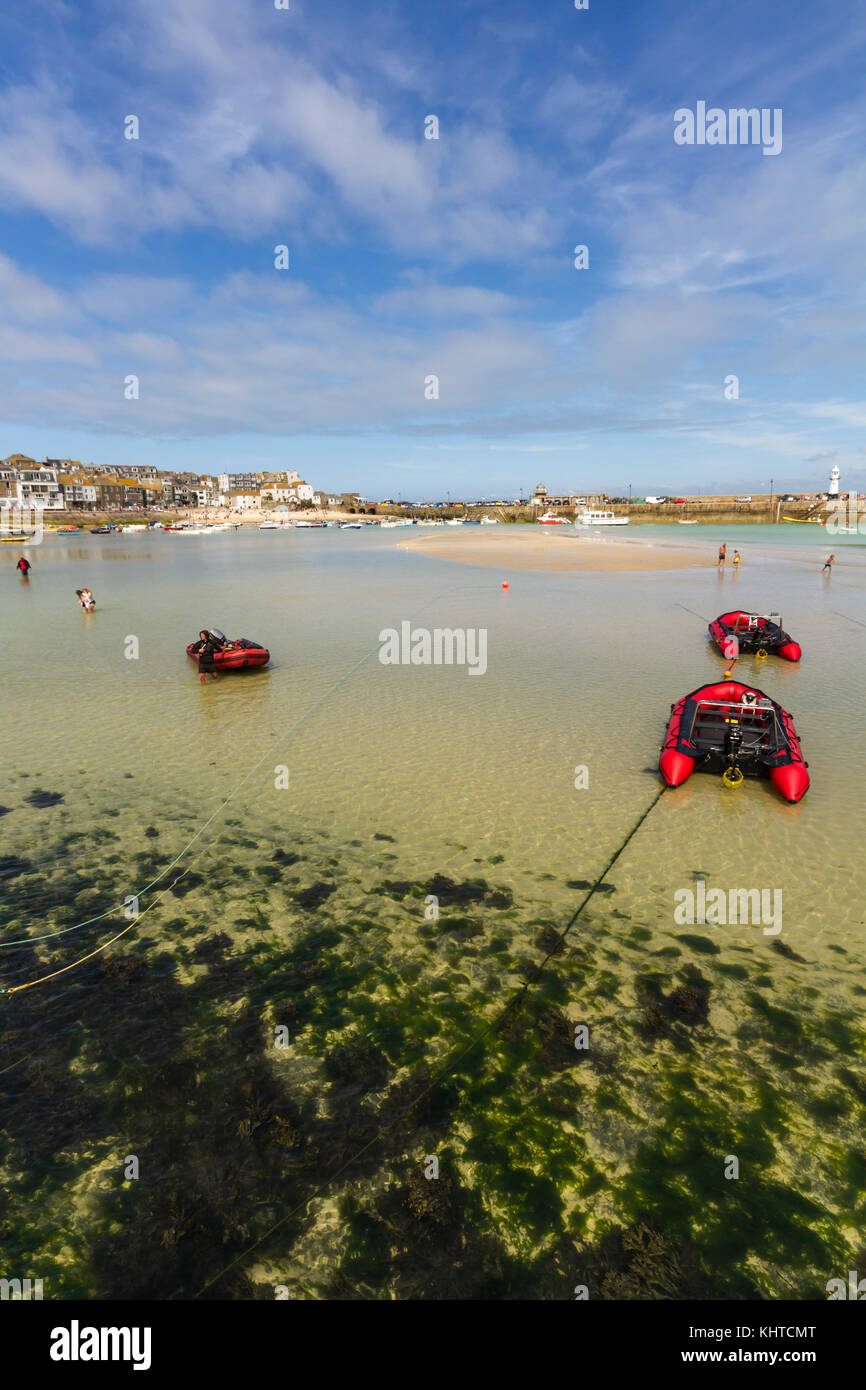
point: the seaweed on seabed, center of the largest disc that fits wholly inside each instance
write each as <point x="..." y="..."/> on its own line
<point x="438" y="1251"/>
<point x="640" y="1262"/>
<point x="668" y="1015"/>
<point x="357" y="1062"/>
<point x="41" y="799"/>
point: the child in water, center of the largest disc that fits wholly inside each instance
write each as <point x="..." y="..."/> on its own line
<point x="86" y="599"/>
<point x="736" y="560"/>
<point x="828" y="564"/>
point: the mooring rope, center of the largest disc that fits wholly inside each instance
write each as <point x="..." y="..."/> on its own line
<point x="451" y="1063"/>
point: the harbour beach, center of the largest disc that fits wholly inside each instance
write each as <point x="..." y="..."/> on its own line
<point x="310" y="908"/>
<point x="433" y="607"/>
<point x="548" y="549"/>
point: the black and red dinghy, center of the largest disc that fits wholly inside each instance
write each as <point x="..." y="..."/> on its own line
<point x="736" y="730"/>
<point x="233" y="654"/>
<point x="738" y="632"/>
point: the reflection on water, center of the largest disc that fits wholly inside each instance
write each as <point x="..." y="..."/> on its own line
<point x="413" y="1034"/>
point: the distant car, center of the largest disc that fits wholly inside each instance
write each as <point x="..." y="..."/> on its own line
<point x="681" y="500"/>
<point x="656" y="500"/>
<point x="742" y="499"/>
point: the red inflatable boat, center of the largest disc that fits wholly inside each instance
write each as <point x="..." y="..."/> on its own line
<point x="736" y="730"/>
<point x="234" y="655"/>
<point x="752" y="632"/>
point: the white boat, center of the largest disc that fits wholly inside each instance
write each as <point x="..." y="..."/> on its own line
<point x="591" y="518"/>
<point x="269" y="526"/>
<point x="454" y="521"/>
<point x="551" y="519"/>
<point x="490" y="521"/>
<point x="680" y="522"/>
<point x="351" y="526"/>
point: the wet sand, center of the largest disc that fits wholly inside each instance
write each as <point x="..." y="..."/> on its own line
<point x="555" y="548"/>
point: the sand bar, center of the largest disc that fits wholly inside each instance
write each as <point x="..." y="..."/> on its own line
<point x="555" y="548"/>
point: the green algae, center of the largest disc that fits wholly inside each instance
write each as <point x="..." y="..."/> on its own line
<point x="453" y="1038"/>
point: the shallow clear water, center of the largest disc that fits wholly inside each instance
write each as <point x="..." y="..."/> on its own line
<point x="705" y="1041"/>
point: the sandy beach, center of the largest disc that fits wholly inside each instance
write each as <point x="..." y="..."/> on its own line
<point x="547" y="548"/>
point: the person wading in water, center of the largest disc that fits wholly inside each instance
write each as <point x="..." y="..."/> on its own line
<point x="205" y="649"/>
<point x="723" y="551"/>
<point x="24" y="566"/>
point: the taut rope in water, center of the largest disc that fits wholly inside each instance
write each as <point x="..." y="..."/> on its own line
<point x="448" y="1066"/>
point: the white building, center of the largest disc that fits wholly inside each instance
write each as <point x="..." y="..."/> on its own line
<point x="278" y="492"/>
<point x="834" y="481"/>
<point x="79" y="493"/>
<point x="245" y="501"/>
<point x="40" y="487"/>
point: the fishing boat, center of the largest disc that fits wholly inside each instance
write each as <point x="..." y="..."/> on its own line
<point x="351" y="526"/>
<point x="734" y="633"/>
<point x="489" y="521"/>
<point x="271" y="525"/>
<point x="551" y="519"/>
<point x="306" y="525"/>
<point x="234" y="654"/>
<point x="737" y="730"/>
<point x="103" y="530"/>
<point x="599" y="518"/>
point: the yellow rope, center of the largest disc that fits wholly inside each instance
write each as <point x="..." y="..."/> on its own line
<point x="16" y="989"/>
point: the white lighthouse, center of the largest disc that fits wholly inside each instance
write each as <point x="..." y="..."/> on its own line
<point x="834" y="481"/>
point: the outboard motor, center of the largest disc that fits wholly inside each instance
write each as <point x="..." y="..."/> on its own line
<point x="733" y="742"/>
<point x="215" y="632"/>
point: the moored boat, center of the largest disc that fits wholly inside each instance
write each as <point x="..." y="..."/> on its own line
<point x="236" y="653"/>
<point x="737" y="730"/>
<point x="737" y="632"/>
<point x="551" y="519"/>
<point x="600" y="518"/>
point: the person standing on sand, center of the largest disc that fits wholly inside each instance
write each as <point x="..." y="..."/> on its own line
<point x="723" y="552"/>
<point x="828" y="564"/>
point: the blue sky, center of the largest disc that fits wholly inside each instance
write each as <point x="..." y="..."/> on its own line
<point x="451" y="257"/>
